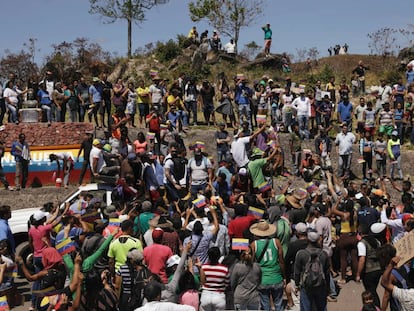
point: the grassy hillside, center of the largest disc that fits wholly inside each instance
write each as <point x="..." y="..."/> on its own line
<point x="340" y="66"/>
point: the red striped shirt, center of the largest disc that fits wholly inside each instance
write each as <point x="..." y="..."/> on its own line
<point x="217" y="277"/>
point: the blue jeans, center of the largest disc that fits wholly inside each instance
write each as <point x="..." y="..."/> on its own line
<point x="316" y="296"/>
<point x="276" y="290"/>
<point x="13" y="113"/>
<point x="184" y="117"/>
<point x="48" y="111"/>
<point x="222" y="155"/>
<point x="303" y="126"/>
<point x="244" y="110"/>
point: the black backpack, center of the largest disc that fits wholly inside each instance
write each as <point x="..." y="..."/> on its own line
<point x="139" y="279"/>
<point x="313" y="275"/>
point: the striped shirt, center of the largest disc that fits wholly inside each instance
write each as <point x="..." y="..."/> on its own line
<point x="217" y="277"/>
<point x="124" y="272"/>
<point x="386" y="117"/>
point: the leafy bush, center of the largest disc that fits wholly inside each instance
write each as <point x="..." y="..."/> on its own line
<point x="167" y="51"/>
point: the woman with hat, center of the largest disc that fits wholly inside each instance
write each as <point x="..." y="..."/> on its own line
<point x="269" y="254"/>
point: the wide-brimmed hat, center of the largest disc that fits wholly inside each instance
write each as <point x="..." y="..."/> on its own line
<point x="262" y="228"/>
<point x="293" y="201"/>
<point x="160" y="221"/>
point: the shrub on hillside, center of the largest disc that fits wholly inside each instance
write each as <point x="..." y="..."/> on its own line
<point x="167" y="51"/>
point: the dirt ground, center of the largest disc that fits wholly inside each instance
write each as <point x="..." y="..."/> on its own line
<point x="34" y="197"/>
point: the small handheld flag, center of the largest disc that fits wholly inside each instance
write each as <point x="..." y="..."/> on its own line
<point x="239" y="244"/>
<point x="255" y="212"/>
<point x="200" y="202"/>
<point x="265" y="186"/>
<point x="65" y="247"/>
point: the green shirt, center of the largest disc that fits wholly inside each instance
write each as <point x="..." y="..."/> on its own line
<point x="89" y="262"/>
<point x="255" y="169"/>
<point x="271" y="271"/>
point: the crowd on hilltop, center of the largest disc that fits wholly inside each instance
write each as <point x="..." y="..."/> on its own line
<point x="188" y="231"/>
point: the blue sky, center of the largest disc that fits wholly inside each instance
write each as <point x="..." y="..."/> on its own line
<point x="295" y="24"/>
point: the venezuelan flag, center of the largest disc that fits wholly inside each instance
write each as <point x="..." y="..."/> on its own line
<point x="311" y="187"/>
<point x="114" y="222"/>
<point x="199" y="202"/>
<point x="255" y="212"/>
<point x="163" y="126"/>
<point x="265" y="186"/>
<point x="150" y="135"/>
<point x="200" y="144"/>
<point x="238" y="244"/>
<point x="4" y="305"/>
<point x="66" y="246"/>
<point x="261" y="118"/>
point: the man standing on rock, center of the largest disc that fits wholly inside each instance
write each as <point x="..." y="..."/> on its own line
<point x="267" y="39"/>
<point x="21" y="152"/>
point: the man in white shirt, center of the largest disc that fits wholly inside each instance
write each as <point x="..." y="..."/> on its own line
<point x="230" y="48"/>
<point x="302" y="105"/>
<point x="404" y="296"/>
<point x="238" y="147"/>
<point x="344" y="142"/>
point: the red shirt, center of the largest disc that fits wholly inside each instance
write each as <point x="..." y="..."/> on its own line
<point x="240" y="224"/>
<point x="156" y="256"/>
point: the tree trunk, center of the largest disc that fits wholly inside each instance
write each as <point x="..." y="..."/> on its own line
<point x="129" y="37"/>
<point x="129" y="20"/>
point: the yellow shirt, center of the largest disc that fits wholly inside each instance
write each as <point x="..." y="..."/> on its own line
<point x="178" y="103"/>
<point x="143" y="95"/>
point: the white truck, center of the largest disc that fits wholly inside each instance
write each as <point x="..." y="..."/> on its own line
<point x="19" y="221"/>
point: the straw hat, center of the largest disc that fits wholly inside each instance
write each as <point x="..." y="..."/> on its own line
<point x="263" y="228"/>
<point x="293" y="201"/>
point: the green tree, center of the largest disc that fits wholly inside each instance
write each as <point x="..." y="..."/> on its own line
<point x="250" y="50"/>
<point x="129" y="10"/>
<point x="227" y="16"/>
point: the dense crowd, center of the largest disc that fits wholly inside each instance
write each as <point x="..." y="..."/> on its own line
<point x="189" y="231"/>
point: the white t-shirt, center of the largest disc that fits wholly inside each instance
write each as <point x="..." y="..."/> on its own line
<point x="238" y="151"/>
<point x="303" y="106"/>
<point x="230" y="48"/>
<point x="362" y="249"/>
<point x="156" y="94"/>
<point x="11" y="95"/>
<point x="405" y="297"/>
<point x="96" y="153"/>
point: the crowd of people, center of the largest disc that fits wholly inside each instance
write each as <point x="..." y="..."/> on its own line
<point x="213" y="231"/>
